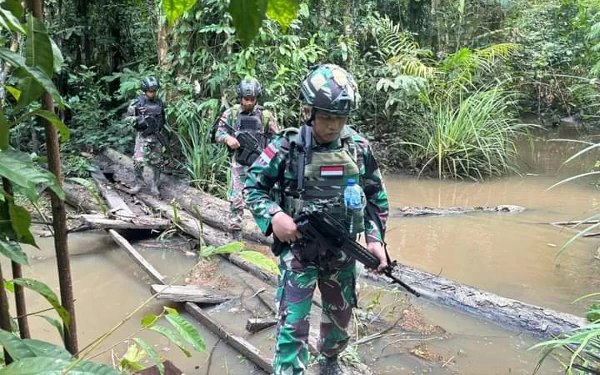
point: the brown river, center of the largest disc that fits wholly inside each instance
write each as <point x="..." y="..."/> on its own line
<point x="513" y="255"/>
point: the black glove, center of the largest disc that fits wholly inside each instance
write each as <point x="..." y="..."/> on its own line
<point x="140" y="123"/>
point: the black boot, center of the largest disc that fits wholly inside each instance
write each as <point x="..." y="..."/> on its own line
<point x="139" y="180"/>
<point x="236" y="234"/>
<point x="331" y="366"/>
<point x="155" y="182"/>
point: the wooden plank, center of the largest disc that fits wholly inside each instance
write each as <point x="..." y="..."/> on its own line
<point x="188" y="293"/>
<point x="239" y="343"/>
<point x="137" y="257"/>
<point x="102" y="222"/>
<point x="112" y="197"/>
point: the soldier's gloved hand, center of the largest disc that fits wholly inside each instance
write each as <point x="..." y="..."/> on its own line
<point x="376" y="248"/>
<point x="285" y="228"/>
<point x="232" y="142"/>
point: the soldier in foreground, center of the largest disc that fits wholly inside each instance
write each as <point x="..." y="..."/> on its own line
<point x="313" y="164"/>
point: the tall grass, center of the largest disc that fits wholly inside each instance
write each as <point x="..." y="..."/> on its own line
<point x="471" y="139"/>
<point x="205" y="161"/>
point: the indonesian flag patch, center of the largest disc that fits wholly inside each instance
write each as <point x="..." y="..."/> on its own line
<point x="332" y="171"/>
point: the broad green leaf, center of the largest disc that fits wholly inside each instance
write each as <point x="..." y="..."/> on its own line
<point x="21" y="222"/>
<point x="22" y="172"/>
<point x="43" y="289"/>
<point x="41" y="348"/>
<point x="15" y="7"/>
<point x="55" y="323"/>
<point x="175" y="8"/>
<point x="131" y="359"/>
<point x="173" y="337"/>
<point x="13" y="251"/>
<point x="58" y="124"/>
<point x="15" y="92"/>
<point x="187" y="331"/>
<point x="260" y="260"/>
<point x="283" y="11"/>
<point x="149" y="320"/>
<point x="247" y="16"/>
<point x="152" y="353"/>
<point x="10" y="22"/>
<point x="38" y="48"/>
<point x="14" y="345"/>
<point x="58" y="59"/>
<point x="29" y="88"/>
<point x="18" y="61"/>
<point x="55" y="366"/>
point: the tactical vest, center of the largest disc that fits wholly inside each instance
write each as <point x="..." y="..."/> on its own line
<point x="325" y="178"/>
<point x="153" y="114"/>
<point x="253" y="123"/>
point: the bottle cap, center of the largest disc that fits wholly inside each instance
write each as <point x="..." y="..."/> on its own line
<point x="351" y="182"/>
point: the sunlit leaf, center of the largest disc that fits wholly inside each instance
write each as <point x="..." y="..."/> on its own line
<point x="131" y="359"/>
<point x="15" y="92"/>
<point x="247" y="16"/>
<point x="13" y="251"/>
<point x="45" y="291"/>
<point x="149" y="320"/>
<point x="175" y="8"/>
<point x="282" y="11"/>
<point x="260" y="260"/>
<point x="187" y="331"/>
<point x="173" y="337"/>
<point x="58" y="59"/>
<point x="152" y="353"/>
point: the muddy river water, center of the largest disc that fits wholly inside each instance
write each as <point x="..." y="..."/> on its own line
<point x="512" y="255"/>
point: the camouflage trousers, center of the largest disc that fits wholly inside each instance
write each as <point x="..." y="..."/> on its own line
<point x="148" y="151"/>
<point x="235" y="195"/>
<point x="296" y="287"/>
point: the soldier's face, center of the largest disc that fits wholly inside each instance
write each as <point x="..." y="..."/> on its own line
<point x="248" y="102"/>
<point x="327" y="127"/>
<point x="150" y="94"/>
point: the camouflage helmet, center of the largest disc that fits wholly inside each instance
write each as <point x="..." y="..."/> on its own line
<point x="150" y="83"/>
<point x="249" y="87"/>
<point x="329" y="88"/>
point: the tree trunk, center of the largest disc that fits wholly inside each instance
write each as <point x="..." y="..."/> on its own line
<point x="4" y="315"/>
<point x="59" y="217"/>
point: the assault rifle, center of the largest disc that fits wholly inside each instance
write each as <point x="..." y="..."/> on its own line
<point x="151" y="125"/>
<point x="321" y="227"/>
<point x="250" y="146"/>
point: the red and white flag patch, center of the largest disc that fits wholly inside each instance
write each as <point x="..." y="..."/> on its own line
<point x="332" y="170"/>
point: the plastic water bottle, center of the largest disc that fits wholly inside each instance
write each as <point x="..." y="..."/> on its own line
<point x="353" y="201"/>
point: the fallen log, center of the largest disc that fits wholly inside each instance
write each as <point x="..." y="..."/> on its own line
<point x="211" y="210"/>
<point x="102" y="222"/>
<point x="188" y="293"/>
<point x="116" y="204"/>
<point x="441" y="211"/>
<point x="79" y="197"/>
<point x="508" y="312"/>
<point x="239" y="343"/>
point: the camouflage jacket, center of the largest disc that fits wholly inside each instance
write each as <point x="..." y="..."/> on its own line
<point x="139" y="102"/>
<point x="229" y="118"/>
<point x="274" y="162"/>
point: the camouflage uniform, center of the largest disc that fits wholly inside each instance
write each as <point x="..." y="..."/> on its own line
<point x="237" y="172"/>
<point x="335" y="276"/>
<point x="148" y="150"/>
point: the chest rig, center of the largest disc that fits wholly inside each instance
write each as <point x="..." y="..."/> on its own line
<point x="153" y="115"/>
<point x="251" y="123"/>
<point x="321" y="175"/>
